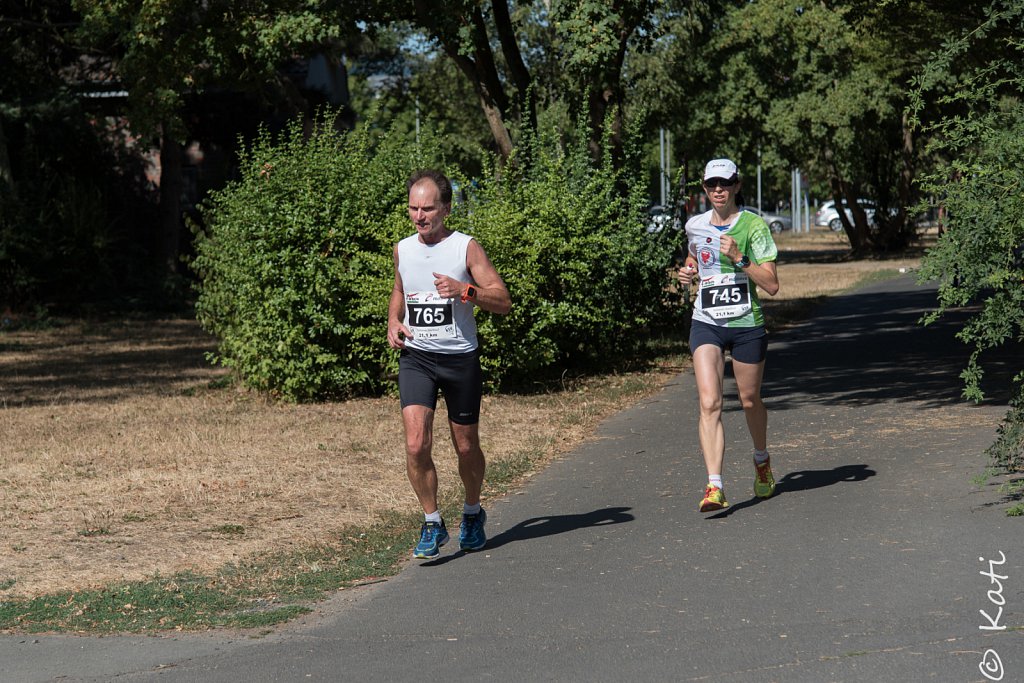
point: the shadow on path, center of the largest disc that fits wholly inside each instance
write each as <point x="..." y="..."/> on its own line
<point x="869" y="347"/>
<point x="804" y="480"/>
<point x="538" y="527"/>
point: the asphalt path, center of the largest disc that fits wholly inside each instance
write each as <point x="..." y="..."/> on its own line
<point x="877" y="560"/>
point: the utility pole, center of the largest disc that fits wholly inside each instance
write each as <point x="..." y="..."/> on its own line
<point x="661" y="163"/>
<point x="759" y="179"/>
<point x="796" y="197"/>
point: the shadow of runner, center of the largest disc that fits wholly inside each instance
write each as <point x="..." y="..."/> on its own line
<point x="539" y="527"/>
<point x="804" y="480"/>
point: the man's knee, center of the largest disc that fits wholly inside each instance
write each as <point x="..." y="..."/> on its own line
<point x="418" y="449"/>
<point x="418" y="422"/>
<point x="465" y="439"/>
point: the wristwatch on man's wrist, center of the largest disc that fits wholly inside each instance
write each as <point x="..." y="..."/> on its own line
<point x="468" y="294"/>
<point x="743" y="262"/>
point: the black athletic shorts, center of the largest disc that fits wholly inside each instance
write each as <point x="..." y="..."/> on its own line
<point x="748" y="344"/>
<point x="422" y="373"/>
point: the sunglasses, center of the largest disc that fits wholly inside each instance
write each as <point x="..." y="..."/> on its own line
<point x="719" y="182"/>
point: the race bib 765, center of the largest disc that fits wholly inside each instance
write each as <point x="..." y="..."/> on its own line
<point x="429" y="315"/>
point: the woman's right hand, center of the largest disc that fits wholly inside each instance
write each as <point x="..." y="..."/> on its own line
<point x="687" y="273"/>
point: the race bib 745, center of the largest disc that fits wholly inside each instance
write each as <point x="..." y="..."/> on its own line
<point x="726" y="295"/>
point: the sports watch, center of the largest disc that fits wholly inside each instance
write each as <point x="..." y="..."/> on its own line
<point x="468" y="293"/>
<point x="743" y="262"/>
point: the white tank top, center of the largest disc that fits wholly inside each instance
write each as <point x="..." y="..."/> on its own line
<point x="439" y="325"/>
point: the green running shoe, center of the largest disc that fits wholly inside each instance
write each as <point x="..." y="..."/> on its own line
<point x="764" y="480"/>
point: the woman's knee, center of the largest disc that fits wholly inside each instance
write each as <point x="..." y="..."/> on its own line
<point x="750" y="399"/>
<point x="710" y="405"/>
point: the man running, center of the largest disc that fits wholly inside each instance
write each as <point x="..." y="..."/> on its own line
<point x="440" y="275"/>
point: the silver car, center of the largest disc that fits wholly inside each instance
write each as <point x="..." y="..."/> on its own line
<point x="776" y="223"/>
<point x="827" y="215"/>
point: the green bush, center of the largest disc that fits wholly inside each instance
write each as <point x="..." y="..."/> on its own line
<point x="295" y="264"/>
<point x="588" y="284"/>
<point x="1007" y="453"/>
<point x="979" y="258"/>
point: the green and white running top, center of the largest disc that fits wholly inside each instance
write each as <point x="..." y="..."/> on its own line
<point x="726" y="296"/>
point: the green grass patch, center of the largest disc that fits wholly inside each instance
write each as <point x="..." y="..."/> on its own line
<point x="90" y="532"/>
<point x="260" y="593"/>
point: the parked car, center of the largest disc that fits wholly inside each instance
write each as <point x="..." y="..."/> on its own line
<point x="828" y="216"/>
<point x="659" y="217"/>
<point x="776" y="223"/>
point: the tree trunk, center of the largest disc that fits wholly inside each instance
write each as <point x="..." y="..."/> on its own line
<point x="603" y="100"/>
<point x="6" y="174"/>
<point x="607" y="95"/>
<point x="480" y="70"/>
<point x="488" y="103"/>
<point x="840" y="192"/>
<point x="907" y="170"/>
<point x="860" y="220"/>
<point x="171" y="186"/>
<point x="838" y="187"/>
<point x="525" y="95"/>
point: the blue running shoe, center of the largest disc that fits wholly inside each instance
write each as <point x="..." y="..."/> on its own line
<point x="432" y="537"/>
<point x="471" y="531"/>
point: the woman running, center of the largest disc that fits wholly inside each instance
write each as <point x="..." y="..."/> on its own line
<point x="730" y="255"/>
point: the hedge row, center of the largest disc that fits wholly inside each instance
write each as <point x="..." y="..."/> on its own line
<point x="295" y="267"/>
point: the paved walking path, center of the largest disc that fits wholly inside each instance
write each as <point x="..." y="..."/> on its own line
<point x="864" y="567"/>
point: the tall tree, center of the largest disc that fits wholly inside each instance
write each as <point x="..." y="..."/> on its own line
<point x="506" y="54"/>
<point x="666" y="82"/>
<point x="824" y="87"/>
<point x="976" y="83"/>
<point x="405" y="84"/>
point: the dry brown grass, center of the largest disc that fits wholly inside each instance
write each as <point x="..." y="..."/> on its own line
<point x="817" y="264"/>
<point x="118" y="461"/>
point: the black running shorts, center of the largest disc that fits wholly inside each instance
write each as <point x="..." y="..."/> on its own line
<point x="748" y="344"/>
<point x="422" y="373"/>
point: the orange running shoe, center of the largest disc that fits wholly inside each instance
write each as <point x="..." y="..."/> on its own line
<point x="714" y="499"/>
